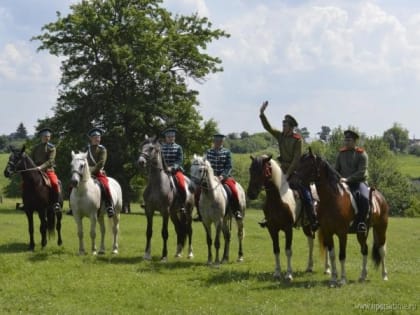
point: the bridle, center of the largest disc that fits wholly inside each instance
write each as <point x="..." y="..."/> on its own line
<point x="11" y="165"/>
<point x="81" y="172"/>
<point x="203" y="179"/>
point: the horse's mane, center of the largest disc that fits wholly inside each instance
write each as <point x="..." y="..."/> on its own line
<point x="333" y="177"/>
<point x="279" y="179"/>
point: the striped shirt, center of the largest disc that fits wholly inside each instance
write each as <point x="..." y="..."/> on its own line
<point x="173" y="155"/>
<point x="220" y="160"/>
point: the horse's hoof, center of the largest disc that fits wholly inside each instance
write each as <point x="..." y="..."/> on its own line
<point x="94" y="253"/>
<point x="385" y="278"/>
<point x="333" y="284"/>
<point x="82" y="253"/>
<point x="190" y="256"/>
<point x="164" y="259"/>
<point x="276" y="275"/>
<point x="342" y="282"/>
<point x="115" y="251"/>
<point x="101" y="252"/>
<point x="288" y="277"/>
<point x="60" y="242"/>
<point x="240" y="259"/>
<point x="327" y="271"/>
<point x="309" y="270"/>
<point x="179" y="255"/>
<point x="147" y="257"/>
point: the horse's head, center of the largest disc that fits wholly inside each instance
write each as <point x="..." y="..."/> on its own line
<point x="150" y="149"/>
<point x="79" y="166"/>
<point x="308" y="169"/>
<point x="259" y="172"/>
<point x="198" y="169"/>
<point x="16" y="161"/>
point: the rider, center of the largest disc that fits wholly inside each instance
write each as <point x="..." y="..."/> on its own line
<point x="174" y="159"/>
<point x="290" y="147"/>
<point x="97" y="155"/>
<point x="221" y="161"/>
<point x="352" y="163"/>
<point x="43" y="155"/>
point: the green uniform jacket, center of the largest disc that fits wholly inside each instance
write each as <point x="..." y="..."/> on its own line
<point x="352" y="165"/>
<point x="290" y="147"/>
<point x="96" y="158"/>
<point x="43" y="154"/>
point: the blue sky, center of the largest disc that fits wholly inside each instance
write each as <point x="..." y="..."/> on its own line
<point x="328" y="63"/>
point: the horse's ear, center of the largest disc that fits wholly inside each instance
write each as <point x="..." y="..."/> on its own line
<point x="72" y="154"/>
<point x="310" y="152"/>
<point x="270" y="156"/>
<point x="195" y="156"/>
<point x="23" y="149"/>
<point x="146" y="137"/>
<point x="252" y="157"/>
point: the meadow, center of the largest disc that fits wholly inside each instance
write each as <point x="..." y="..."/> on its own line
<point x="56" y="280"/>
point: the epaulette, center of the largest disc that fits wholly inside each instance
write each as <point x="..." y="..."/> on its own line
<point x="343" y="149"/>
<point x="101" y="146"/>
<point x="50" y="145"/>
<point x="359" y="150"/>
<point x="297" y="136"/>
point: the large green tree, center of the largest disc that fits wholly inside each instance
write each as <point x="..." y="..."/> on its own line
<point x="397" y="138"/>
<point x="125" y="68"/>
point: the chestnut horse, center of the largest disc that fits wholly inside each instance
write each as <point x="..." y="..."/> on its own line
<point x="36" y="196"/>
<point x="336" y="212"/>
<point x="281" y="209"/>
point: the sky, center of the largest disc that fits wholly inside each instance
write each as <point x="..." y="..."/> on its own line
<point x="335" y="63"/>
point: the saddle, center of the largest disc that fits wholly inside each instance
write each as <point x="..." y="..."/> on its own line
<point x="46" y="179"/>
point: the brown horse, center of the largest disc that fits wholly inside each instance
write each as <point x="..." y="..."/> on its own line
<point x="281" y="209"/>
<point x="336" y="212"/>
<point x="36" y="196"/>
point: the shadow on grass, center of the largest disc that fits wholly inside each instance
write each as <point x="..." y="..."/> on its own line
<point x="13" y="248"/>
<point x="12" y="211"/>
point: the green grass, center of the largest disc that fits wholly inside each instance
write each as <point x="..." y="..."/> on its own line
<point x="58" y="281"/>
<point x="409" y="165"/>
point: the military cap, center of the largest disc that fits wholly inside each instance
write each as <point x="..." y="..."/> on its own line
<point x="351" y="134"/>
<point x="169" y="131"/>
<point x="219" y="136"/>
<point x="45" y="132"/>
<point x="291" y="120"/>
<point x="95" y="132"/>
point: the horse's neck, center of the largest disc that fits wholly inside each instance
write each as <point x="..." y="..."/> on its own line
<point x="279" y="180"/>
<point x="31" y="175"/>
<point x="211" y="180"/>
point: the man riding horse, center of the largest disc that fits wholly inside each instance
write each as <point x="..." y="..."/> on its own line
<point x="97" y="155"/>
<point x="290" y="147"/>
<point x="220" y="160"/>
<point x="43" y="155"/>
<point x="174" y="159"/>
<point x="351" y="164"/>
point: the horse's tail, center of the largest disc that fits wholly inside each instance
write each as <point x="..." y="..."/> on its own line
<point x="321" y="243"/>
<point x="51" y="222"/>
<point x="376" y="256"/>
<point x="379" y="227"/>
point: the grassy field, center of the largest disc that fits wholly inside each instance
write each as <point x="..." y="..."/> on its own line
<point x="409" y="165"/>
<point x="58" y="281"/>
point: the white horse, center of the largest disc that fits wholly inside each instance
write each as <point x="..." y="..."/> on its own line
<point x="85" y="201"/>
<point x="213" y="207"/>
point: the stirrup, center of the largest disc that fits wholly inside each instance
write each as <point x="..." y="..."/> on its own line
<point x="110" y="211"/>
<point x="238" y="215"/>
<point x="197" y="218"/>
<point x="263" y="223"/>
<point x="57" y="207"/>
<point x="361" y="227"/>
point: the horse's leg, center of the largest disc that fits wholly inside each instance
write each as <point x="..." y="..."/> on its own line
<point x="189" y="233"/>
<point x="207" y="227"/>
<point x="79" y="224"/>
<point x="276" y="250"/>
<point x="310" y="239"/>
<point x="217" y="242"/>
<point x="29" y="216"/>
<point x="362" y="238"/>
<point x="165" y="235"/>
<point x="329" y="244"/>
<point x="178" y="231"/>
<point x="379" y="248"/>
<point x="149" y="232"/>
<point x="327" y="265"/>
<point x="115" y="232"/>
<point x="101" y="221"/>
<point x="43" y="227"/>
<point x="93" y="232"/>
<point x="226" y="236"/>
<point x="59" y="216"/>
<point x="342" y="238"/>
<point x="288" y="247"/>
<point x="240" y="225"/>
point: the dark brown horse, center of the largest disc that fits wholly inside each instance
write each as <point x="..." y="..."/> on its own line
<point x="281" y="209"/>
<point x="336" y="212"/>
<point x="36" y="196"/>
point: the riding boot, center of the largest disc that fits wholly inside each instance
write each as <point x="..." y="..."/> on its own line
<point x="310" y="211"/>
<point x="198" y="217"/>
<point x="237" y="209"/>
<point x="109" y="207"/>
<point x="56" y="201"/>
<point x="361" y="220"/>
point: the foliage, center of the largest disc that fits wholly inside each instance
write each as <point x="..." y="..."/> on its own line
<point x="124" y="69"/>
<point x="397" y="138"/>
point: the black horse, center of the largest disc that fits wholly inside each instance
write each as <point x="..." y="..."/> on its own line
<point x="36" y="196"/>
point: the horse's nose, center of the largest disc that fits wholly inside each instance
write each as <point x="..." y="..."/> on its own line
<point x="74" y="182"/>
<point x="141" y="161"/>
<point x="6" y="173"/>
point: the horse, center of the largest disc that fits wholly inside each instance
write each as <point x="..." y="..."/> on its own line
<point x="36" y="196"/>
<point x="336" y="212"/>
<point x="214" y="209"/>
<point x="85" y="201"/>
<point x="161" y="194"/>
<point x="281" y="209"/>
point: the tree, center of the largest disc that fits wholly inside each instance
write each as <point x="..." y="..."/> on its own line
<point x="324" y="134"/>
<point x="21" y="132"/>
<point x="304" y="132"/>
<point x="397" y="138"/>
<point x="124" y="69"/>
